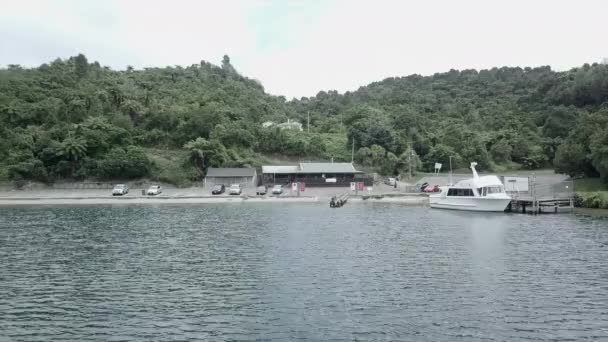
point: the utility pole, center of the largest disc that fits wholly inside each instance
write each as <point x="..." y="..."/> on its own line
<point x="308" y="124"/>
<point x="410" y="163"/>
<point x="352" y="155"/>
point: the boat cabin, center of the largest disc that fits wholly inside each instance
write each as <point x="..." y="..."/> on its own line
<point x="476" y="187"/>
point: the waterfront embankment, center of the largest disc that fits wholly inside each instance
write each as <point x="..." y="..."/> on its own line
<point x="189" y="196"/>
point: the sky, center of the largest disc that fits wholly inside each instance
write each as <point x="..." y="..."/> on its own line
<point x="298" y="48"/>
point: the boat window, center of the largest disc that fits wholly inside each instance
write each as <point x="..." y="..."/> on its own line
<point x="460" y="192"/>
<point x="493" y="190"/>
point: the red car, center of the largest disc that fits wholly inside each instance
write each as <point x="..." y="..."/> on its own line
<point x="432" y="188"/>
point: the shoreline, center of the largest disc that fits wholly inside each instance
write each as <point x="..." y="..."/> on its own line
<point x="12" y="201"/>
<point x="49" y="197"/>
<point x="9" y="202"/>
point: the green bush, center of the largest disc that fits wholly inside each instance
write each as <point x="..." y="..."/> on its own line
<point x="131" y="162"/>
<point x="594" y="200"/>
<point x="3" y="174"/>
<point x="30" y="169"/>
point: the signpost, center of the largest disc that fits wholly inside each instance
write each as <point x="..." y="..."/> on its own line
<point x="437" y="168"/>
<point x="353" y="186"/>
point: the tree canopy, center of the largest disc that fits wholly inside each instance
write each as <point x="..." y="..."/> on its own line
<point x="71" y="118"/>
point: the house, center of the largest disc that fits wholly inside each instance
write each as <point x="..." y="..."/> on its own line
<point x="290" y="125"/>
<point x="247" y="177"/>
<point x="285" y="125"/>
<point x="315" y="174"/>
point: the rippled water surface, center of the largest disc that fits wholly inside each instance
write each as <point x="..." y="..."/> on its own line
<point x="374" y="272"/>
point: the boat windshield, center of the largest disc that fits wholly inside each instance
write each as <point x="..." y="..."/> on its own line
<point x="488" y="190"/>
<point x="494" y="190"/>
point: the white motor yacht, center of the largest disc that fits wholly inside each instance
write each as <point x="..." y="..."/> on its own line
<point x="485" y="193"/>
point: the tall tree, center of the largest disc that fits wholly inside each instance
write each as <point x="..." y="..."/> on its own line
<point x="81" y="65"/>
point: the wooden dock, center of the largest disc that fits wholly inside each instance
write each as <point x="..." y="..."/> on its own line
<point x="530" y="205"/>
<point x="543" y="198"/>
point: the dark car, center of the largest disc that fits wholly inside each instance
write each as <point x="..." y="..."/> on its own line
<point x="218" y="189"/>
<point x="261" y="190"/>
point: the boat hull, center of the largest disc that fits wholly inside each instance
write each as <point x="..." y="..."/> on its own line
<point x="470" y="203"/>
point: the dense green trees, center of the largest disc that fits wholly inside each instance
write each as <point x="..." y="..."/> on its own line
<point x="75" y="119"/>
<point x="130" y="162"/>
<point x="584" y="151"/>
<point x="512" y="117"/>
<point x="203" y="153"/>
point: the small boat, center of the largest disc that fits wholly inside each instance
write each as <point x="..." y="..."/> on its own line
<point x="338" y="201"/>
<point x="485" y="193"/>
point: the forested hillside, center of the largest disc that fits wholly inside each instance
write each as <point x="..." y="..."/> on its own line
<point x="72" y="119"/>
<point x="501" y="118"/>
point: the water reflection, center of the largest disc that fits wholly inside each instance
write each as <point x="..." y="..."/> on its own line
<point x="247" y="272"/>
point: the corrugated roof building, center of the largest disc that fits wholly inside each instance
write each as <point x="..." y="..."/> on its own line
<point x="288" y="169"/>
<point x="327" y="168"/>
<point x="227" y="176"/>
<point x="313" y="174"/>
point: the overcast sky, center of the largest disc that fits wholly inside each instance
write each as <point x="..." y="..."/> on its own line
<point x="297" y="48"/>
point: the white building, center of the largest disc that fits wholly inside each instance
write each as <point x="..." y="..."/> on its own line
<point x="290" y="125"/>
<point x="285" y="125"/>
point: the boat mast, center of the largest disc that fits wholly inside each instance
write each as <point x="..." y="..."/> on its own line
<point x="475" y="175"/>
<point x="450" y="180"/>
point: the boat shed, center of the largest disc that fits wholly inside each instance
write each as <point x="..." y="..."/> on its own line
<point x="245" y="176"/>
<point x="315" y="174"/>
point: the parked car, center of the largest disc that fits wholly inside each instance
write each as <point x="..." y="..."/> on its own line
<point x="154" y="190"/>
<point x="218" y="189"/>
<point x="235" y="189"/>
<point x="277" y="189"/>
<point x="423" y="186"/>
<point x="261" y="190"/>
<point x="120" y="189"/>
<point x="432" y="188"/>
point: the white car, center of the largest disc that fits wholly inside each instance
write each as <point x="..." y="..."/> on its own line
<point x="120" y="189"/>
<point x="154" y="190"/>
<point x="235" y="189"/>
<point x="277" y="189"/>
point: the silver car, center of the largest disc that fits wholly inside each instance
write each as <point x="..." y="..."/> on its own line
<point x="235" y="189"/>
<point x="154" y="190"/>
<point x="120" y="189"/>
<point x="277" y="189"/>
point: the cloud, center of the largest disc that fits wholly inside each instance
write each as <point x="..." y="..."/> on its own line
<point x="298" y="48"/>
<point x="120" y="33"/>
<point x="354" y="43"/>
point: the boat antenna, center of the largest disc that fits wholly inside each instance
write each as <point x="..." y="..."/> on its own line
<point x="451" y="183"/>
<point x="475" y="175"/>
